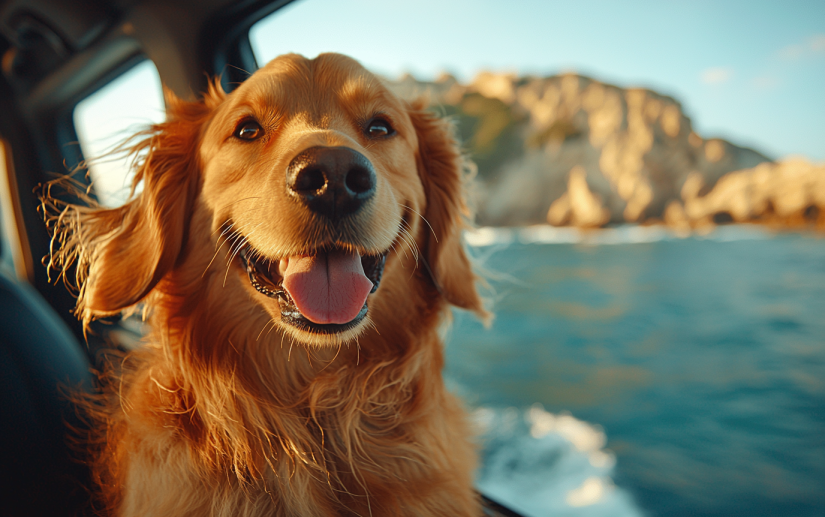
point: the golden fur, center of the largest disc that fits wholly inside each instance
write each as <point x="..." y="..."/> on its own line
<point x="226" y="411"/>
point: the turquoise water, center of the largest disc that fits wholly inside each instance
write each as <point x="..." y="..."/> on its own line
<point x="703" y="360"/>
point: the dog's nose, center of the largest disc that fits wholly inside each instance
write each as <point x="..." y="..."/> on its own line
<point x="331" y="181"/>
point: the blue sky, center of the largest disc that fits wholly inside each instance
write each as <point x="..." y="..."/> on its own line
<point x="752" y="72"/>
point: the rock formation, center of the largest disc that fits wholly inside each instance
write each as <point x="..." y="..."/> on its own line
<point x="788" y="193"/>
<point x="570" y="150"/>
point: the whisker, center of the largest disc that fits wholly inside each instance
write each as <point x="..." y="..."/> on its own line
<point x="219" y="246"/>
<point x="273" y="327"/>
<point x="423" y="219"/>
<point x="224" y="228"/>
<point x="405" y="236"/>
<point x="238" y="248"/>
<point x="333" y="359"/>
<point x="408" y="238"/>
<point x="239" y="244"/>
<point x="264" y="328"/>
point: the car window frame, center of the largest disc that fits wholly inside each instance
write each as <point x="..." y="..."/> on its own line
<point x="40" y="126"/>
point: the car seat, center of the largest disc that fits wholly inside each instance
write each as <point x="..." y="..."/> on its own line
<point x="40" y="359"/>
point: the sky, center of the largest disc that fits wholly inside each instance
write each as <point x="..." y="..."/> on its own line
<point x="751" y="72"/>
<point x="111" y="115"/>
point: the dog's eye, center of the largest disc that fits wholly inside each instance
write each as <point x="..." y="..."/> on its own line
<point x="378" y="128"/>
<point x="248" y="130"/>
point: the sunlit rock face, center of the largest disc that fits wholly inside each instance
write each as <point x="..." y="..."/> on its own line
<point x="570" y="150"/>
<point x="787" y="193"/>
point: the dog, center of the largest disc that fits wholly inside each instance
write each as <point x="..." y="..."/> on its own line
<point x="296" y="247"/>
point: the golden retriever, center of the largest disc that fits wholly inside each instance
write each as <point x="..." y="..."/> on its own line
<point x="295" y="248"/>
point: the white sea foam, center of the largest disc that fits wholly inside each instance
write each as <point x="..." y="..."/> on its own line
<point x="541" y="464"/>
<point x="627" y="234"/>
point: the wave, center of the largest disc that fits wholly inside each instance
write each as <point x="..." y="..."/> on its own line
<point x="626" y="234"/>
<point x="541" y="464"/>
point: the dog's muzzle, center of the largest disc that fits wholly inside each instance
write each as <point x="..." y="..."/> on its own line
<point x="334" y="182"/>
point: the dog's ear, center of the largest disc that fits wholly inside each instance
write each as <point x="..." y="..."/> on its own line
<point x="121" y="253"/>
<point x="441" y="168"/>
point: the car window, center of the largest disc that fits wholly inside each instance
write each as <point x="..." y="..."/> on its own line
<point x="108" y="117"/>
<point x="14" y="243"/>
<point x="7" y="258"/>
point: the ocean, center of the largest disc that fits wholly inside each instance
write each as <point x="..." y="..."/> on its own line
<point x="633" y="372"/>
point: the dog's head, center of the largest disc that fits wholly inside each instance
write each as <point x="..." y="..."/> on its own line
<point x="323" y="190"/>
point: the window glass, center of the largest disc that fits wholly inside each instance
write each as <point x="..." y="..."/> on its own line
<point x="14" y="244"/>
<point x="108" y="117"/>
<point x="6" y="256"/>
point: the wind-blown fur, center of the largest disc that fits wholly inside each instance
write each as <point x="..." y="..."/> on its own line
<point x="225" y="411"/>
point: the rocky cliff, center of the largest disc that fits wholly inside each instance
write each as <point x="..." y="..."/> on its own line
<point x="570" y="150"/>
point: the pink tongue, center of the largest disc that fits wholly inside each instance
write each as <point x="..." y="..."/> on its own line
<point x="328" y="287"/>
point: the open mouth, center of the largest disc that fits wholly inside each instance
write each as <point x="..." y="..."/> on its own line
<point x="324" y="292"/>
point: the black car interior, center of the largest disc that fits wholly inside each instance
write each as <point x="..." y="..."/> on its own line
<point x="55" y="53"/>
